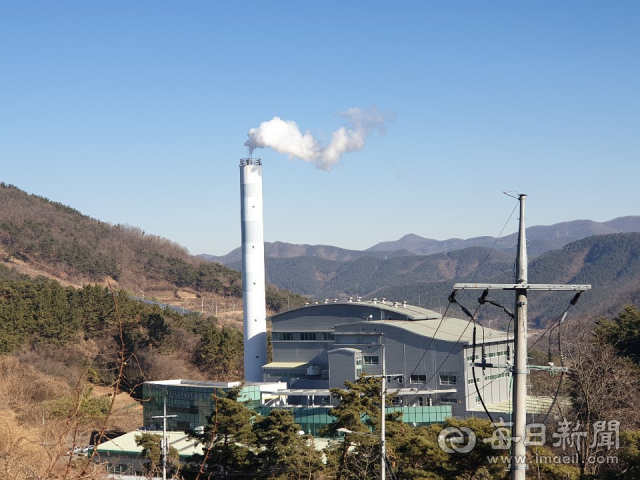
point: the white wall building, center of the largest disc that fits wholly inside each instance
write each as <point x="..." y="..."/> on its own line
<point x="429" y="361"/>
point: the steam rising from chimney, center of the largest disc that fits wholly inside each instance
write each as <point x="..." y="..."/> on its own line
<point x="284" y="136"/>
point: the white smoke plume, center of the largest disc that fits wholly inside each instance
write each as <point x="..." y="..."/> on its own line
<point x="284" y="136"/>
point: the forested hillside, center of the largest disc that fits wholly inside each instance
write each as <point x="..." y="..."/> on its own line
<point x="41" y="237"/>
<point x="322" y="278"/>
<point x="63" y="274"/>
<point x="76" y="337"/>
<point x="40" y="315"/>
<point x="70" y="357"/>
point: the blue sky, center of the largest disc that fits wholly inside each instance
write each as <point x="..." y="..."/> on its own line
<point x="136" y="113"/>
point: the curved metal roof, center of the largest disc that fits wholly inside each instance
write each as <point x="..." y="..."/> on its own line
<point x="388" y="310"/>
<point x="449" y="330"/>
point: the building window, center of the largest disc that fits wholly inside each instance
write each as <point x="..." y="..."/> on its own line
<point x="448" y="400"/>
<point x="308" y="336"/>
<point x="371" y="359"/>
<point x="396" y="401"/>
<point x="286" y="336"/>
<point x="478" y="401"/>
<point x="346" y="339"/>
<point x="364" y="339"/>
<point x="330" y="336"/>
<point x="418" y="379"/>
<point x="448" y="379"/>
<point x="120" y="468"/>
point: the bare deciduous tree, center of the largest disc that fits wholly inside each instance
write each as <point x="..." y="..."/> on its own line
<point x="603" y="389"/>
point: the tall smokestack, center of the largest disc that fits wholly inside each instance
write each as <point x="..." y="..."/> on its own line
<point x="253" y="277"/>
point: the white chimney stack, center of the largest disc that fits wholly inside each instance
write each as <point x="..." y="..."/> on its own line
<point x="253" y="276"/>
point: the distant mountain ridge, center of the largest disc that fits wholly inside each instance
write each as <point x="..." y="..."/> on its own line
<point x="610" y="263"/>
<point x="581" y="251"/>
<point x="542" y="238"/>
<point x="291" y="250"/>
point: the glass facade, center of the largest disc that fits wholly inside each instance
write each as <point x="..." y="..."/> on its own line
<point x="418" y="416"/>
<point x="310" y="419"/>
<point x="192" y="402"/>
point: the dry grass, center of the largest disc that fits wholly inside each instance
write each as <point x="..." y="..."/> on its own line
<point x="23" y="454"/>
<point x="33" y="442"/>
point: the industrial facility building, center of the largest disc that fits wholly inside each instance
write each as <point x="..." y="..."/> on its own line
<point x="428" y="360"/>
<point x="428" y="366"/>
<point x="192" y="402"/>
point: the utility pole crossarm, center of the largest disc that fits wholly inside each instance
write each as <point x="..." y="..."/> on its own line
<point x="519" y="286"/>
<point x="520" y="369"/>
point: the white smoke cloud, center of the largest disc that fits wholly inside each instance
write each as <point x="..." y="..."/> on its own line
<point x="284" y="136"/>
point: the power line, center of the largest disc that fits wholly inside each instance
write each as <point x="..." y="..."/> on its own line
<point x="521" y="287"/>
<point x="449" y="354"/>
<point x="486" y="258"/>
<point x="427" y="348"/>
<point x="473" y="353"/>
<point x="495" y="242"/>
<point x="559" y="319"/>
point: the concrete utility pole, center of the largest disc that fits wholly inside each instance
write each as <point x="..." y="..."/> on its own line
<point x="519" y="451"/>
<point x="383" y="412"/>
<point x="519" y="370"/>
<point x="164" y="446"/>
